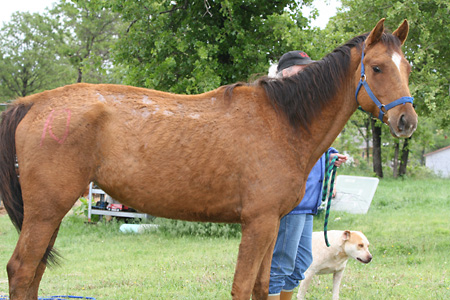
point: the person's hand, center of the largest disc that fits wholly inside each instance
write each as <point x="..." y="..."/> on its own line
<point x="341" y="159"/>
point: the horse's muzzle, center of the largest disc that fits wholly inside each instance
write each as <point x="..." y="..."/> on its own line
<point x="404" y="125"/>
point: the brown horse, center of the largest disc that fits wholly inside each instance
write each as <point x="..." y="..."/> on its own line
<point x="238" y="154"/>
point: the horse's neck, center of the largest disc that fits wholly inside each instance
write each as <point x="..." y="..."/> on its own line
<point x="327" y="126"/>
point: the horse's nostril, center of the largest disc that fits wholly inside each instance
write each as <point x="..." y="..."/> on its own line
<point x="402" y="123"/>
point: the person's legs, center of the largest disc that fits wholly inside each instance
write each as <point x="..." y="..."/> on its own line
<point x="285" y="251"/>
<point x="304" y="255"/>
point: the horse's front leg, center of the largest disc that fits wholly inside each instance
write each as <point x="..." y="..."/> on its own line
<point x="258" y="237"/>
<point x="261" y="288"/>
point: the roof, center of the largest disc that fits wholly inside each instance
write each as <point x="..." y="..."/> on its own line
<point x="438" y="150"/>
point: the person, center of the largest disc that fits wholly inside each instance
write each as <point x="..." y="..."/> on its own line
<point x="292" y="254"/>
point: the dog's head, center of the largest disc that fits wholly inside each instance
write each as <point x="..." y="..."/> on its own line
<point x="356" y="245"/>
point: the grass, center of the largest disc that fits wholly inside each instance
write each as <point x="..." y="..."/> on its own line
<point x="408" y="227"/>
<point x="99" y="261"/>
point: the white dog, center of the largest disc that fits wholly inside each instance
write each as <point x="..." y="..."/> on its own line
<point x="333" y="259"/>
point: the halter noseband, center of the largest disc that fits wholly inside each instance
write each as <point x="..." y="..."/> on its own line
<point x="363" y="82"/>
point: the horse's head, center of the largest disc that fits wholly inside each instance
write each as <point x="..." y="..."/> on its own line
<point x="383" y="80"/>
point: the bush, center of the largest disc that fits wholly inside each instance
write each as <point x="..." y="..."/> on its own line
<point x="362" y="169"/>
<point x="419" y="172"/>
<point x="180" y="228"/>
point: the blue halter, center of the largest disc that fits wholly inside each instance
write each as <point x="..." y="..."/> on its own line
<point x="363" y="82"/>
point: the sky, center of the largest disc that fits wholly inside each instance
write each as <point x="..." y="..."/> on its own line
<point x="10" y="6"/>
<point x="327" y="9"/>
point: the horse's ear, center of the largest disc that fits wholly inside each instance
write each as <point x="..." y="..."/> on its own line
<point x="402" y="31"/>
<point x="376" y="33"/>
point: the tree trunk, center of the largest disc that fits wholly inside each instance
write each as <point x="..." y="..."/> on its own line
<point x="376" y="155"/>
<point x="404" y="157"/>
<point x="395" y="164"/>
<point x="80" y="75"/>
<point x="368" y="151"/>
<point x="422" y="157"/>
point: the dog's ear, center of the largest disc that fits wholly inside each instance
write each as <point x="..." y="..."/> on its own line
<point x="346" y="235"/>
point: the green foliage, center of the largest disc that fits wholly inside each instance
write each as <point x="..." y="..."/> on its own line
<point x="360" y="169"/>
<point x="82" y="210"/>
<point x="28" y="58"/>
<point x="414" y="171"/>
<point x="355" y="138"/>
<point x="181" y="228"/>
<point x="419" y="172"/>
<point x="71" y="43"/>
<point x="86" y="33"/>
<point x="192" y="47"/>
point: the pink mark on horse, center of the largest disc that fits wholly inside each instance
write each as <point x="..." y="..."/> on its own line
<point x="48" y="126"/>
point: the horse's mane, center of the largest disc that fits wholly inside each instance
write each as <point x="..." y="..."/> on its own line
<point x="300" y="97"/>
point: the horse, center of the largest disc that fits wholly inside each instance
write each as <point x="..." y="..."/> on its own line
<point x="238" y="154"/>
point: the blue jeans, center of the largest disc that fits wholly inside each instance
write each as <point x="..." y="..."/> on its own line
<point x="292" y="255"/>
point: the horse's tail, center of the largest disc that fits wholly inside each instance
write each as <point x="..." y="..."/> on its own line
<point x="10" y="191"/>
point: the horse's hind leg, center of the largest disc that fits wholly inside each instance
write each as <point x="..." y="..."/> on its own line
<point x="34" y="288"/>
<point x="45" y="205"/>
<point x="26" y="266"/>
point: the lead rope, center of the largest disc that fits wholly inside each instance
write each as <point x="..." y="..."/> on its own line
<point x="330" y="170"/>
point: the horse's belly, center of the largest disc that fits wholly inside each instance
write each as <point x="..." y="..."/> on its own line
<point x="178" y="198"/>
<point x="221" y="210"/>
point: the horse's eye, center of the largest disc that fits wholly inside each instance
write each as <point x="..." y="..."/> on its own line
<point x="376" y="69"/>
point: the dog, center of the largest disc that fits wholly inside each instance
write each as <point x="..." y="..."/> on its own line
<point x="333" y="259"/>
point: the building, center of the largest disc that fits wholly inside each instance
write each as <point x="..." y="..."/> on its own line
<point x="439" y="161"/>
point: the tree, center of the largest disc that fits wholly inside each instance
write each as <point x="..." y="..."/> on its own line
<point x="87" y="34"/>
<point x="404" y="157"/>
<point x="376" y="142"/>
<point x="195" y="46"/>
<point x="28" y="59"/>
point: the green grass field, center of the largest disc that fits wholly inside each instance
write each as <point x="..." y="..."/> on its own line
<point x="408" y="226"/>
